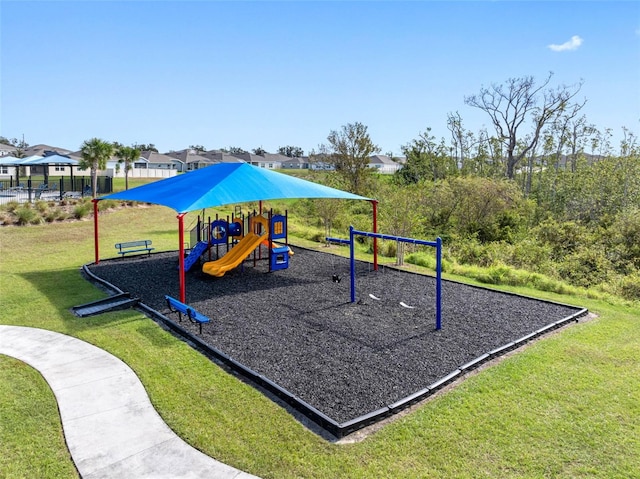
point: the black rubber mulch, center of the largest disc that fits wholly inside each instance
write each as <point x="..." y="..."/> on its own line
<point x="298" y="328"/>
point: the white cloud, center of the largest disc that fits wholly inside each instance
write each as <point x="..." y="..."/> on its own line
<point x="572" y="44"/>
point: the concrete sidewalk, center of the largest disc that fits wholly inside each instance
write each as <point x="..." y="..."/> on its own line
<point x="110" y="426"/>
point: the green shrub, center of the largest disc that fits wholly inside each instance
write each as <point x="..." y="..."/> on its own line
<point x="107" y="205"/>
<point x="26" y="215"/>
<point x="6" y="218"/>
<point x="585" y="267"/>
<point x="630" y="287"/>
<point x="388" y="249"/>
<point x="50" y="216"/>
<point x="41" y="206"/>
<point x="81" y="210"/>
<point x="11" y="206"/>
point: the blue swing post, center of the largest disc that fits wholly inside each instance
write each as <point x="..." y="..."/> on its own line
<point x="437" y="244"/>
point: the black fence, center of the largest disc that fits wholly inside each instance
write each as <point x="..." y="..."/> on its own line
<point x="55" y="189"/>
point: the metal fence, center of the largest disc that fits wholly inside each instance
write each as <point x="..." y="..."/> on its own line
<point x="31" y="190"/>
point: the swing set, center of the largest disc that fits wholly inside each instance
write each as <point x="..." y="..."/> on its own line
<point x="437" y="244"/>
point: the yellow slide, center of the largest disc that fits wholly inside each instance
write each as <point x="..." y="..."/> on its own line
<point x="234" y="257"/>
<point x="276" y="245"/>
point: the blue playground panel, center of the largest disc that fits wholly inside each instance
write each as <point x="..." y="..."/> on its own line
<point x="279" y="258"/>
<point x="195" y="253"/>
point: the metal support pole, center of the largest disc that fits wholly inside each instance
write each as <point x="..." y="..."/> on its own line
<point x="183" y="288"/>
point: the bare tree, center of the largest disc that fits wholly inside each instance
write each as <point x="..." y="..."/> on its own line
<point x="511" y="106"/>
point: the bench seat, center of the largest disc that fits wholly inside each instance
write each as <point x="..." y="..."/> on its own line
<point x="179" y="307"/>
<point x="134" y="247"/>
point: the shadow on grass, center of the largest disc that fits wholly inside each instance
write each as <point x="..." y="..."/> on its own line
<point x="66" y="288"/>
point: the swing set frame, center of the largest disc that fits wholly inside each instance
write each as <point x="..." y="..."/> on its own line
<point x="437" y="244"/>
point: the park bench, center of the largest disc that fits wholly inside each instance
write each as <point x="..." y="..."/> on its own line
<point x="134" y="247"/>
<point x="176" y="306"/>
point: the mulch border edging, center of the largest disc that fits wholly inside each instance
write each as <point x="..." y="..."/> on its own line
<point x="340" y="430"/>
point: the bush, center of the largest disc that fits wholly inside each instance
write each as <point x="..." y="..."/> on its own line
<point x="41" y="206"/>
<point x="6" y="218"/>
<point x="585" y="267"/>
<point x="11" y="206"/>
<point x="630" y="287"/>
<point x="25" y="215"/>
<point x="81" y="210"/>
<point x="107" y="205"/>
<point x="388" y="248"/>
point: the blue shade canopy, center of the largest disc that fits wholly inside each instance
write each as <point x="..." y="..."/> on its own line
<point x="13" y="161"/>
<point x="50" y="160"/>
<point x="224" y="184"/>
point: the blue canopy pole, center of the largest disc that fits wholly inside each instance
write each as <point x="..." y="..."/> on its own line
<point x="352" y="265"/>
<point x="438" y="283"/>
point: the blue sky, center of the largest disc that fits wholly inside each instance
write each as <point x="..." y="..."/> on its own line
<point x="269" y="74"/>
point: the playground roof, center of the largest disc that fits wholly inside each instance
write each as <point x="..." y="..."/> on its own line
<point x="224" y="184"/>
<point x="13" y="161"/>
<point x="37" y="160"/>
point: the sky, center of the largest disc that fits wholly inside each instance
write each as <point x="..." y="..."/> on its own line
<point x="270" y="74"/>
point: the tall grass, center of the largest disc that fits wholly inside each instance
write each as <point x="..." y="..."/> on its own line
<point x="568" y="406"/>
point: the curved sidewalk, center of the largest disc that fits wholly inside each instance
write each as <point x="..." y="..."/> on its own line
<point x="110" y="426"/>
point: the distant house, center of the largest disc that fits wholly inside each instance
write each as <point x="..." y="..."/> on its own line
<point x="383" y="164"/>
<point x="188" y="159"/>
<point x="212" y="157"/>
<point x="258" y="160"/>
<point x="295" y="163"/>
<point x="150" y="164"/>
<point x="6" y="150"/>
<point x="46" y="150"/>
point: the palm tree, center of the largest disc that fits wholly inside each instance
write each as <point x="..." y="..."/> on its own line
<point x="127" y="155"/>
<point x="95" y="154"/>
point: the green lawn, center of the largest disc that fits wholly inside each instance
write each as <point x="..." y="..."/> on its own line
<point x="568" y="406"/>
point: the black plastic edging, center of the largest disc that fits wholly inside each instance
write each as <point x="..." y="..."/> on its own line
<point x="525" y="339"/>
<point x="433" y="387"/>
<point x="409" y="400"/>
<point x="365" y="420"/>
<point x="474" y="363"/>
<point x="309" y="411"/>
<point x="101" y="281"/>
<point x="341" y="429"/>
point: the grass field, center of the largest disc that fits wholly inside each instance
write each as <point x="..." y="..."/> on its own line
<point x="567" y="406"/>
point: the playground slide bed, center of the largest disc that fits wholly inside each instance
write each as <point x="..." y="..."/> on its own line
<point x="298" y="328"/>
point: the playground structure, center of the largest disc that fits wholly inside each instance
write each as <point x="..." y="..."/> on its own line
<point x="241" y="236"/>
<point x="437" y="244"/>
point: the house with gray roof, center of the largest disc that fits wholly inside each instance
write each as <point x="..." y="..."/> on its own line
<point x="6" y="150"/>
<point x="215" y="156"/>
<point x="45" y="150"/>
<point x="383" y="164"/>
<point x="256" y="160"/>
<point x="295" y="163"/>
